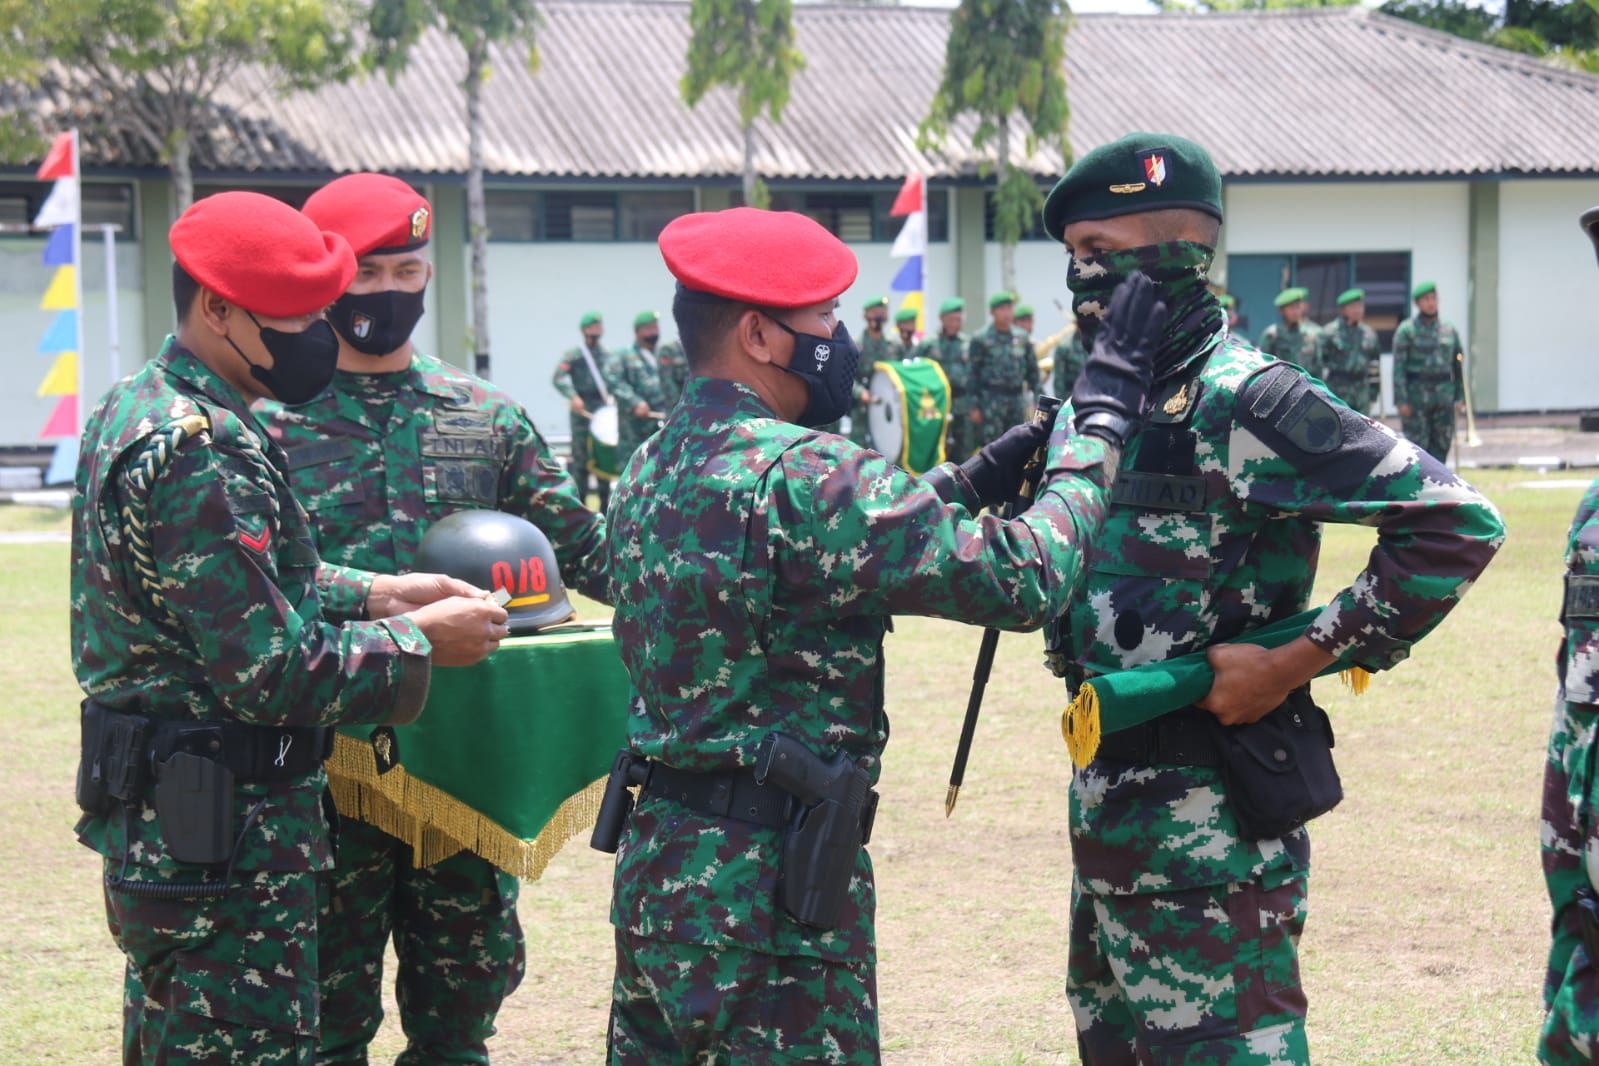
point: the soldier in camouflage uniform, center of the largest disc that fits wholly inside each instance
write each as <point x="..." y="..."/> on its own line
<point x="1023" y="319"/>
<point x="948" y="348"/>
<point x="580" y="377"/>
<point x="1570" y="830"/>
<point x="1003" y="369"/>
<point x="672" y="369"/>
<point x="875" y="346"/>
<point x="904" y="345"/>
<point x="1295" y="338"/>
<point x="1428" y="378"/>
<point x="1349" y="353"/>
<point x="399" y="441"/>
<point x="1070" y="355"/>
<point x="636" y="386"/>
<point x="1229" y="306"/>
<point x="756" y="564"/>
<point x="1184" y="933"/>
<point x="201" y="611"/>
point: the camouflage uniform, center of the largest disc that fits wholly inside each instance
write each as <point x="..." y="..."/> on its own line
<point x="572" y="378"/>
<point x="672" y="369"/>
<point x="1003" y="367"/>
<point x="1345" y="357"/>
<point x="873" y="350"/>
<point x="950" y="353"/>
<point x="246" y="635"/>
<point x="1570" y="833"/>
<point x="1070" y="357"/>
<point x="376" y="460"/>
<point x="819" y="543"/>
<point x="1184" y="934"/>
<point x="1427" y="355"/>
<point x="1293" y="344"/>
<point x="633" y="377"/>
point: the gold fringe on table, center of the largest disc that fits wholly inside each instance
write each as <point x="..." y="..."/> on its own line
<point x="437" y="825"/>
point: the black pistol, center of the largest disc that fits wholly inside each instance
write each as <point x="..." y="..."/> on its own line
<point x="627" y="770"/>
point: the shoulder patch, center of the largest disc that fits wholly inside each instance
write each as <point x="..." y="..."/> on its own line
<point x="1322" y="439"/>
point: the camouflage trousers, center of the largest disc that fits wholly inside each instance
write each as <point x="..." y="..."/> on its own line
<point x="229" y="980"/>
<point x="1354" y="391"/>
<point x="1001" y="411"/>
<point x="1570" y="840"/>
<point x="702" y="1006"/>
<point x="1431" y="427"/>
<point x="456" y="940"/>
<point x="1206" y="975"/>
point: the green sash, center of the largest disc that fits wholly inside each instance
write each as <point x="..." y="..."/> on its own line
<point x="508" y="759"/>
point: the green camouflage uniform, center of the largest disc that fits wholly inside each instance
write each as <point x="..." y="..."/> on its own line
<point x="1070" y="357"/>
<point x="633" y="376"/>
<point x="873" y="351"/>
<point x="1427" y="355"/>
<point x="572" y="378"/>
<point x="672" y="369"/>
<point x="376" y="460"/>
<point x="756" y="566"/>
<point x="1346" y="354"/>
<point x="950" y="353"/>
<point x="246" y="635"/>
<point x="1003" y="369"/>
<point x="1183" y="933"/>
<point x="1570" y="831"/>
<point x="899" y="351"/>
<point x="1293" y="344"/>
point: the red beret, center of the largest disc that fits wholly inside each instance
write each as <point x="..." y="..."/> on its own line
<point x="374" y="212"/>
<point x="261" y="254"/>
<point x="767" y="258"/>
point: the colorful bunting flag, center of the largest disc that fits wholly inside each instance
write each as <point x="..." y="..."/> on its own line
<point x="60" y="207"/>
<point x="62" y="336"/>
<point x="63" y="377"/>
<point x="62" y="295"/>
<point x="911" y="245"/>
<point x="909" y="278"/>
<point x="58" y="249"/>
<point x="62" y="213"/>
<point x="911" y="198"/>
<point x="59" y="161"/>
<point x="63" y="420"/>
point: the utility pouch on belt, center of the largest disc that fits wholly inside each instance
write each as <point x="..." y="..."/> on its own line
<point x="831" y="823"/>
<point x="1279" y="771"/>
<point x="194" y="801"/>
<point x="113" y="759"/>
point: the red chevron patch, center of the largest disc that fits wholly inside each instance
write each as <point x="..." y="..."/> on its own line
<point x="257" y="543"/>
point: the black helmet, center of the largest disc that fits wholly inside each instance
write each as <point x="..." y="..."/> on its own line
<point x="500" y="551"/>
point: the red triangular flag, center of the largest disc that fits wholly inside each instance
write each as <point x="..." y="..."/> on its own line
<point x="58" y="162"/>
<point x="909" y="200"/>
<point x="63" y="420"/>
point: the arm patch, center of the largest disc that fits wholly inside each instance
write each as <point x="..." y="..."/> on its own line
<point x="1321" y="438"/>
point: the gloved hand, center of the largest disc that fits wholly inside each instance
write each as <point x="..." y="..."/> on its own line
<point x="994" y="474"/>
<point x="1109" y="397"/>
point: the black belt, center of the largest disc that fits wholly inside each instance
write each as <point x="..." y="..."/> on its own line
<point x="721" y="794"/>
<point x="1181" y="738"/>
<point x="255" y="754"/>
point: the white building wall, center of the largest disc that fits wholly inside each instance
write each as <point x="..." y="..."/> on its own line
<point x="1040" y="281"/>
<point x="1548" y="296"/>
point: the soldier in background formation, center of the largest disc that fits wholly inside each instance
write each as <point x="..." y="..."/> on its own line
<point x="580" y="377"/>
<point x="1023" y="319"/>
<point x="1229" y="306"/>
<point x="672" y="369"/>
<point x="1003" y="370"/>
<point x="1429" y="364"/>
<point x="875" y="346"/>
<point x="635" y="379"/>
<point x="1293" y="339"/>
<point x="1348" y="353"/>
<point x="904" y="345"/>
<point x="948" y="348"/>
<point x="1069" y="356"/>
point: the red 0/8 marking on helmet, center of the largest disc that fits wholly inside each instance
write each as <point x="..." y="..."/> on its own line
<point x="528" y="578"/>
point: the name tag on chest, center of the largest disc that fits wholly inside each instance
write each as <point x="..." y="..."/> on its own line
<point x="1163" y="492"/>
<point x="457" y="445"/>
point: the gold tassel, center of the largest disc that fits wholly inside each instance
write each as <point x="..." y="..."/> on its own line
<point x="1079" y="724"/>
<point x="1356" y="679"/>
<point x="437" y="825"/>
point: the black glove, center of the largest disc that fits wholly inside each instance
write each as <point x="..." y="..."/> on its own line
<point x="994" y="475"/>
<point x="1108" y="399"/>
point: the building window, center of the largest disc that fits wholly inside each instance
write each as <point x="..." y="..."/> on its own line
<point x="293" y="195"/>
<point x="578" y="216"/>
<point x="1255" y="280"/>
<point x="859" y="217"/>
<point x="512" y="216"/>
<point x="645" y="214"/>
<point x="102" y="202"/>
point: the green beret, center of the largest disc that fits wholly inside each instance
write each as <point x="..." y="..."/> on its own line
<point x="954" y="303"/>
<point x="589" y="318"/>
<point x="1226" y="300"/>
<point x="905" y="314"/>
<point x="1423" y="288"/>
<point x="1349" y="296"/>
<point x="1000" y="299"/>
<point x="1024" y="310"/>
<point x="1290" y="296"/>
<point x="1140" y="172"/>
<point x="875" y="301"/>
<point x="645" y="318"/>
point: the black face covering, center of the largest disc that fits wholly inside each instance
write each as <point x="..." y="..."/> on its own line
<point x="376" y="323"/>
<point x="302" y="363"/>
<point x="648" y="340"/>
<point x="827" y="366"/>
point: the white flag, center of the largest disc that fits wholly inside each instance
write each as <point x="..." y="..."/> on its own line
<point x="61" y="206"/>
<point x="912" y="239"/>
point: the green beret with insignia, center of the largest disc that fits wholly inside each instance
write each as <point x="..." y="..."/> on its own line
<point x="589" y="318"/>
<point x="1000" y="299"/>
<point x="1423" y="288"/>
<point x="1140" y="172"/>
<point x="905" y="314"/>
<point x="954" y="303"/>
<point x="645" y="318"/>
<point x="1349" y="296"/>
<point x="1226" y="300"/>
<point x="1291" y="296"/>
<point x="1024" y="310"/>
<point x="875" y="302"/>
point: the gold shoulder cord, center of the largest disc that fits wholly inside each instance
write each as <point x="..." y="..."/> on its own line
<point x="139" y="479"/>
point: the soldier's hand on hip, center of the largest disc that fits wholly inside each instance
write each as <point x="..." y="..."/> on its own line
<point x="1111" y="392"/>
<point x="641" y="410"/>
<point x="463" y="630"/>
<point x="1252" y="681"/>
<point x="578" y="407"/>
<point x="393" y="594"/>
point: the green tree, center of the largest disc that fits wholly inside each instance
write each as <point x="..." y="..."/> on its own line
<point x="1006" y="63"/>
<point x="748" y="46"/>
<point x="153" y="67"/>
<point x="1565" y="34"/>
<point x="396" y="26"/>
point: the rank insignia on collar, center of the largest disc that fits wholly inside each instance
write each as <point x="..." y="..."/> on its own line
<point x="419" y="222"/>
<point x="1179" y="401"/>
<point x="1155" y="168"/>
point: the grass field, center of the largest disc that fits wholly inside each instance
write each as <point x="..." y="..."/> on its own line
<point x="1427" y="921"/>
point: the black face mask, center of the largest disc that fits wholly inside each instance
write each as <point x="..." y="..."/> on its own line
<point x="648" y="340"/>
<point x="827" y="366"/>
<point x="302" y="363"/>
<point x="376" y="323"/>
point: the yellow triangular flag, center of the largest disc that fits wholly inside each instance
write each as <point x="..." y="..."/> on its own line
<point x="63" y="377"/>
<point x="62" y="295"/>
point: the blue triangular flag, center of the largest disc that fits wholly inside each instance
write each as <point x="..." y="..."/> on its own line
<point x="909" y="278"/>
<point x="62" y="336"/>
<point x="64" y="463"/>
<point x="58" y="249"/>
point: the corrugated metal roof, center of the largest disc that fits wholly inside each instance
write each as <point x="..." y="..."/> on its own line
<point x="1328" y="92"/>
